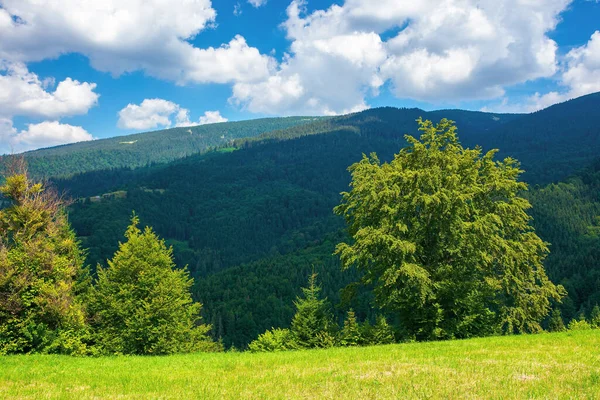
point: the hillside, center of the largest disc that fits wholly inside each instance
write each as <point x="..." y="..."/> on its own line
<point x="141" y="149"/>
<point x="565" y="365"/>
<point x="234" y="217"/>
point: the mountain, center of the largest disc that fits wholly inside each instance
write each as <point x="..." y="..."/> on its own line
<point x="251" y="219"/>
<point x="142" y="149"/>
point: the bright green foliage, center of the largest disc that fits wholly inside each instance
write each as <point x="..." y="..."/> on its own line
<point x="312" y="325"/>
<point x="350" y="334"/>
<point x="443" y="235"/>
<point x="275" y="339"/>
<point x="556" y="323"/>
<point x="595" y="317"/>
<point x="579" y="324"/>
<point x="142" y="305"/>
<point x="40" y="262"/>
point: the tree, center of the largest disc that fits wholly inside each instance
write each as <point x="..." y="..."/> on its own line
<point x="382" y="332"/>
<point x="443" y="235"/>
<point x="40" y="264"/>
<point x="350" y="334"/>
<point x="556" y="323"/>
<point x="142" y="305"/>
<point x="312" y="325"/>
<point x="595" y="317"/>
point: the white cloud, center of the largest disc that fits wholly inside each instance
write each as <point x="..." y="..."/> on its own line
<point x="212" y="117"/>
<point x="579" y="75"/>
<point x="120" y="36"/>
<point x="150" y="114"/>
<point x="23" y="93"/>
<point x="44" y="134"/>
<point x="257" y="3"/>
<point x="436" y="51"/>
<point x="159" y="113"/>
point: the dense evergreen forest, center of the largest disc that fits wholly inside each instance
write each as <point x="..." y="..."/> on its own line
<point x="253" y="217"/>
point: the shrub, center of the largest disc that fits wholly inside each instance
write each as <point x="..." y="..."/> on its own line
<point x="276" y="339"/>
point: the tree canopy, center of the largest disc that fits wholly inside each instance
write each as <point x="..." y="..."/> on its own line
<point x="444" y="236"/>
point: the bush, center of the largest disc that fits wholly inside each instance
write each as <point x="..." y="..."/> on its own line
<point x="275" y="339"/>
<point x="579" y="325"/>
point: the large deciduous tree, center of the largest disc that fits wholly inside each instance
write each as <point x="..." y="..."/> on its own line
<point x="142" y="304"/>
<point x="443" y="235"/>
<point x="40" y="266"/>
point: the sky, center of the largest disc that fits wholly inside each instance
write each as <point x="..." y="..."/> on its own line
<point x="75" y="70"/>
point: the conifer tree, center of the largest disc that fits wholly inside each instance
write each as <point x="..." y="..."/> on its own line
<point x="382" y="332"/>
<point x="556" y="323"/>
<point x="40" y="264"/>
<point x="443" y="235"/>
<point x="142" y="305"/>
<point x="312" y="325"/>
<point x="350" y="334"/>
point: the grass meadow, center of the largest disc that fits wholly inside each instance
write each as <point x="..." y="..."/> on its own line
<point x="546" y="366"/>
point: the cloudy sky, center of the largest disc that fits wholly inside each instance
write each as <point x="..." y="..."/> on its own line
<point x="73" y="70"/>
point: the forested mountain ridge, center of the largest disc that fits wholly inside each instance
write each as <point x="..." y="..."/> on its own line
<point x="265" y="210"/>
<point x="142" y="149"/>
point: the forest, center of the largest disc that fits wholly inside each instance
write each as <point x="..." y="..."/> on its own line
<point x="252" y="218"/>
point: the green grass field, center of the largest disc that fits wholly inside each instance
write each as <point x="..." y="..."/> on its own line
<point x="548" y="366"/>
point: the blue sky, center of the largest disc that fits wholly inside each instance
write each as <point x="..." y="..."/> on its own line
<point x="74" y="70"/>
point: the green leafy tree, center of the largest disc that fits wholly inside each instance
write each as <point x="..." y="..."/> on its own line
<point x="350" y="334"/>
<point x="556" y="323"/>
<point x="443" y="235"/>
<point x="40" y="264"/>
<point x="312" y="325"/>
<point x="595" y="317"/>
<point x="142" y="305"/>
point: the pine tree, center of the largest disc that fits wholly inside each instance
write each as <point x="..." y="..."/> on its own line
<point x="40" y="265"/>
<point x="312" y="325"/>
<point x="350" y="334"/>
<point x="142" y="305"/>
<point x="556" y="323"/>
<point x="382" y="332"/>
<point x="442" y="234"/>
<point x="595" y="317"/>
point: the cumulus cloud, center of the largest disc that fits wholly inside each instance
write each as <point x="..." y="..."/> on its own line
<point x="23" y="93"/>
<point x="160" y="113"/>
<point x="427" y="50"/>
<point x="212" y="117"/>
<point x="44" y="134"/>
<point x="579" y="75"/>
<point x="120" y="36"/>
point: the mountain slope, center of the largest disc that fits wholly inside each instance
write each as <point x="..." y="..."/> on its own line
<point x="141" y="149"/>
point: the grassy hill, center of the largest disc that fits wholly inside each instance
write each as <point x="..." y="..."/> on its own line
<point x="545" y="366"/>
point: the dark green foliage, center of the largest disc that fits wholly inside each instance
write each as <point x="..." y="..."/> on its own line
<point x="556" y="323"/>
<point x="444" y="237"/>
<point x="142" y="305"/>
<point x="312" y="325"/>
<point x="250" y="223"/>
<point x="40" y="264"/>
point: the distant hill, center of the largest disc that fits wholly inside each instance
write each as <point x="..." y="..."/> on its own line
<point x="142" y="149"/>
